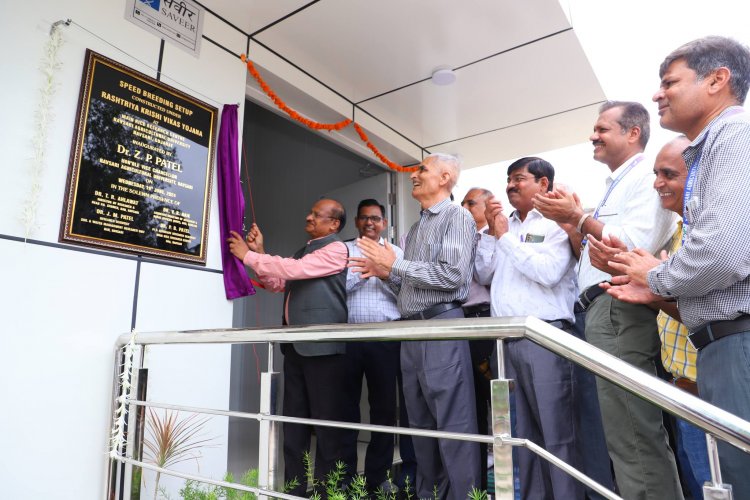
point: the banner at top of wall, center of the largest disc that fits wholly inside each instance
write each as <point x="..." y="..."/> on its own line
<point x="178" y="21"/>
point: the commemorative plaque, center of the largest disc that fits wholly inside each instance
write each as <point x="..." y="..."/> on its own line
<point x="140" y="165"/>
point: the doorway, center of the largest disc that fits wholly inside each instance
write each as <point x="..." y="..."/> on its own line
<point x="289" y="167"/>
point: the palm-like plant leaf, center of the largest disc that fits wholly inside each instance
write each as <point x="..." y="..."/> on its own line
<point x="169" y="440"/>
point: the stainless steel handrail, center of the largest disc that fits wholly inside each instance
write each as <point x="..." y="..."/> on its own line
<point x="461" y="436"/>
<point x="503" y="439"/>
<point x="716" y="421"/>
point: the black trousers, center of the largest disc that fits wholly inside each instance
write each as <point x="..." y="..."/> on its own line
<point x="481" y="350"/>
<point x="317" y="387"/>
<point x="378" y="362"/>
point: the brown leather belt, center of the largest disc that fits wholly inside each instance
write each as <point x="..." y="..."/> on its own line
<point x="686" y="385"/>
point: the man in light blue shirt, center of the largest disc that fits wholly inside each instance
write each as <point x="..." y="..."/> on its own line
<point x="372" y="300"/>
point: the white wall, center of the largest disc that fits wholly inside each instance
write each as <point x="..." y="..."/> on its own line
<point x="62" y="309"/>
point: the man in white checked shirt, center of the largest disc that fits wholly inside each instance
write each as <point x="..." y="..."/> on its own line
<point x="703" y="85"/>
<point x="433" y="280"/>
<point x="372" y="300"/>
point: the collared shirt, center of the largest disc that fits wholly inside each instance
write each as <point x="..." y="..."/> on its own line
<point x="677" y="354"/>
<point x="369" y="300"/>
<point x="272" y="271"/>
<point x="478" y="294"/>
<point x="710" y="274"/>
<point x="531" y="269"/>
<point x="633" y="214"/>
<point x="438" y="259"/>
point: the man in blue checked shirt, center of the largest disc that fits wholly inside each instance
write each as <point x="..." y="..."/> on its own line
<point x="372" y="300"/>
<point x="703" y="86"/>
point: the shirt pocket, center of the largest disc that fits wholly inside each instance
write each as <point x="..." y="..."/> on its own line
<point x="606" y="212"/>
<point x="692" y="208"/>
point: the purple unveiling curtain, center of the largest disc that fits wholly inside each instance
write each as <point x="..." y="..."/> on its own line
<point x="231" y="203"/>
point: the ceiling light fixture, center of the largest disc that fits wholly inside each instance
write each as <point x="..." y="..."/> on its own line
<point x="444" y="76"/>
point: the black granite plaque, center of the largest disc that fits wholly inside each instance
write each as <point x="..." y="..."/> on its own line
<point x="140" y="166"/>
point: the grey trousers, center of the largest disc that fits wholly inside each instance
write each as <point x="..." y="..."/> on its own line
<point x="644" y="463"/>
<point x="545" y="393"/>
<point x="724" y="381"/>
<point x="439" y="394"/>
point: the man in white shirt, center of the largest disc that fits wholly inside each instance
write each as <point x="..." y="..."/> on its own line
<point x="477" y="305"/>
<point x="529" y="263"/>
<point x="630" y="211"/>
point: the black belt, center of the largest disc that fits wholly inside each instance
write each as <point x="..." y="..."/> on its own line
<point x="587" y="297"/>
<point x="433" y="311"/>
<point x="719" y="329"/>
<point x="476" y="309"/>
<point x="564" y="324"/>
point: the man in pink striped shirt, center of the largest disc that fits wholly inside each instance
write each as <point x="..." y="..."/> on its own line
<point x="314" y="286"/>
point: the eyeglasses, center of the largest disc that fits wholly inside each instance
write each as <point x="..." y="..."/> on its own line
<point x="374" y="218"/>
<point x="520" y="178"/>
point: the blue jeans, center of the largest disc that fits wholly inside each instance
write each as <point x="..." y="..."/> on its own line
<point x="692" y="454"/>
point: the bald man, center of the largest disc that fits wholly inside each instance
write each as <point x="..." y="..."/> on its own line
<point x="315" y="385"/>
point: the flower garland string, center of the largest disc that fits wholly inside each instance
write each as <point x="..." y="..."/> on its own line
<point x="117" y="439"/>
<point x="317" y="125"/>
<point x="286" y="109"/>
<point x="43" y="115"/>
<point x="381" y="156"/>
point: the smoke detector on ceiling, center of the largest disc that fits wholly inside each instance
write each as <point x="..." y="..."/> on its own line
<point x="444" y="76"/>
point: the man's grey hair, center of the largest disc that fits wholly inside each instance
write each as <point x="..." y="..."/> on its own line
<point x="484" y="193"/>
<point x="634" y="114"/>
<point x="707" y="54"/>
<point x="450" y="164"/>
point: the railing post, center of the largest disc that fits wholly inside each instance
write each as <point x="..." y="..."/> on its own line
<point x="113" y="466"/>
<point x="268" y="442"/>
<point x="715" y="490"/>
<point x="502" y="453"/>
<point x="132" y="427"/>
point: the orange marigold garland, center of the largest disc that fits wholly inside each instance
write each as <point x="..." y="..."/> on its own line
<point x="381" y="156"/>
<point x="321" y="126"/>
<point x="286" y="109"/>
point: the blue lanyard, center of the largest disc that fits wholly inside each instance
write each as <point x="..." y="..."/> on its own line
<point x="611" y="188"/>
<point x="687" y="193"/>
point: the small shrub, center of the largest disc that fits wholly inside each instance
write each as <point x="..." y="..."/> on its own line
<point x="194" y="490"/>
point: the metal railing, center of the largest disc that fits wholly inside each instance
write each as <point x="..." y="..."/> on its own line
<point x="716" y="422"/>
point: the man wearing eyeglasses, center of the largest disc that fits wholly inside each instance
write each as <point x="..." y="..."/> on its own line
<point x="315" y="385"/>
<point x="372" y="300"/>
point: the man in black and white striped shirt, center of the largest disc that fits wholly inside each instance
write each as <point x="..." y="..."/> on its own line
<point x="703" y="85"/>
<point x="433" y="280"/>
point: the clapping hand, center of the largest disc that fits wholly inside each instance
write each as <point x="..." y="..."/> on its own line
<point x="377" y="261"/>
<point x="496" y="219"/>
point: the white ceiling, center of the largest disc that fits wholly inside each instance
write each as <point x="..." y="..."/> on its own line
<point x="523" y="83"/>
